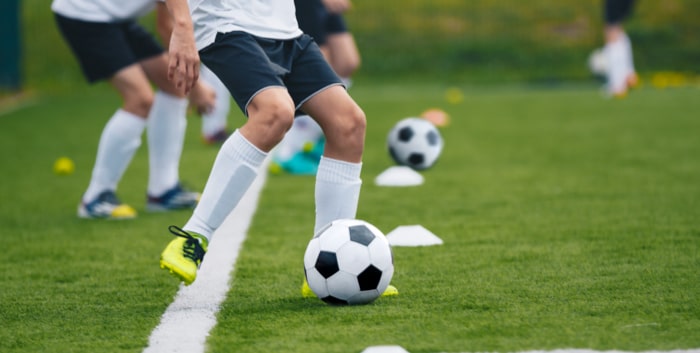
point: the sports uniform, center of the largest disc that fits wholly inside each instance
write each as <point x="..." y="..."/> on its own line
<point x="271" y="69"/>
<point x="108" y="43"/>
<point x="619" y="71"/>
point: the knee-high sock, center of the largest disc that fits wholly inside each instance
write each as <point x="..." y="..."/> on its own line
<point x="337" y="191"/>
<point x="217" y="119"/>
<point x="234" y="170"/>
<point x="120" y="139"/>
<point x="167" y="123"/>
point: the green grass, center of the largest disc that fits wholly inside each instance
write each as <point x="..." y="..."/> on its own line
<point x="569" y="221"/>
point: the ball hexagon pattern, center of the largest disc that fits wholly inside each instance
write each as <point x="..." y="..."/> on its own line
<point x="348" y="262"/>
<point x="415" y="142"/>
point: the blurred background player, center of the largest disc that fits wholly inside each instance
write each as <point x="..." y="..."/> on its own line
<point x="619" y="62"/>
<point x="214" y="117"/>
<point x="110" y="45"/>
<point x="302" y="147"/>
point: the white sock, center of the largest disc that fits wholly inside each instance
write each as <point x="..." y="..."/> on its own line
<point x="234" y="170"/>
<point x="629" y="57"/>
<point x="304" y="130"/>
<point x="120" y="139"/>
<point x="617" y="69"/>
<point x="337" y="191"/>
<point x="167" y="123"/>
<point x="217" y="119"/>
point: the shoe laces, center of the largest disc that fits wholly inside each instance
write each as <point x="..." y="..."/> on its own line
<point x="192" y="249"/>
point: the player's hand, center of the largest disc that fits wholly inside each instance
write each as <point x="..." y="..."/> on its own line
<point x="183" y="68"/>
<point x="337" y="6"/>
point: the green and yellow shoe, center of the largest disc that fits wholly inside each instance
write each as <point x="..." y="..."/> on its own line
<point x="184" y="254"/>
<point x="306" y="291"/>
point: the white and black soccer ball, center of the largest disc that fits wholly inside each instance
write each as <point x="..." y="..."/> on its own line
<point x="415" y="142"/>
<point x="598" y="62"/>
<point x="348" y="262"/>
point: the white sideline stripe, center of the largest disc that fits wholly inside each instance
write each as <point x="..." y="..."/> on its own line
<point x="186" y="323"/>
<point x="572" y="350"/>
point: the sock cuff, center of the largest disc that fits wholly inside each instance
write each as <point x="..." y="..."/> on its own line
<point x="238" y="145"/>
<point x="128" y="121"/>
<point x="337" y="171"/>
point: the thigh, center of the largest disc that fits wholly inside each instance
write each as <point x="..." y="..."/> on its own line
<point x="156" y="69"/>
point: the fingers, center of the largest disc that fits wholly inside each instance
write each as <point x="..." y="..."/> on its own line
<point x="183" y="72"/>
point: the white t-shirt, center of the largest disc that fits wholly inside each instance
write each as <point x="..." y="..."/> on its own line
<point x="275" y="19"/>
<point x="102" y="10"/>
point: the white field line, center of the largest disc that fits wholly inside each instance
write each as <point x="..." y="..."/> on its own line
<point x="186" y="323"/>
<point x="571" y="350"/>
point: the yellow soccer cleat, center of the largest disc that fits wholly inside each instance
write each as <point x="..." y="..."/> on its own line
<point x="306" y="291"/>
<point x="106" y="206"/>
<point x="390" y="291"/>
<point x="184" y="254"/>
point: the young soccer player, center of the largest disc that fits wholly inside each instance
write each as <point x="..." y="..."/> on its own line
<point x="110" y="45"/>
<point x="272" y="70"/>
<point x="620" y="73"/>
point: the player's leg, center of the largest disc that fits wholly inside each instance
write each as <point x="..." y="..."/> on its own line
<point x="236" y="166"/>
<point x="166" y="129"/>
<point x="215" y="121"/>
<point x="118" y="143"/>
<point x="261" y="94"/>
<point x="105" y="54"/>
<point x="620" y="72"/>
<point x="338" y="179"/>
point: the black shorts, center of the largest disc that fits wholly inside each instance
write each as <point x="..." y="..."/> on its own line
<point x="247" y="65"/>
<point x="615" y="11"/>
<point x="315" y="20"/>
<point x="103" y="48"/>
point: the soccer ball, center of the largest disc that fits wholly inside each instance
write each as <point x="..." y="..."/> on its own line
<point x="598" y="62"/>
<point x="348" y="262"/>
<point x="415" y="142"/>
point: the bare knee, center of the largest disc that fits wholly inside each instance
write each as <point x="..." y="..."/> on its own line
<point x="346" y="140"/>
<point x="268" y="123"/>
<point x="139" y="104"/>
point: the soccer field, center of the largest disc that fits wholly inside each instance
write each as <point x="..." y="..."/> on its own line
<point x="568" y="221"/>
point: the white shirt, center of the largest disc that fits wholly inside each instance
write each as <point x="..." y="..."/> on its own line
<point x="102" y="10"/>
<point x="274" y="19"/>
